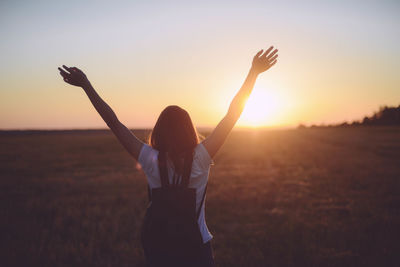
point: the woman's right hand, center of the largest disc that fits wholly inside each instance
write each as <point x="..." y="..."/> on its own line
<point x="74" y="76"/>
<point x="262" y="62"/>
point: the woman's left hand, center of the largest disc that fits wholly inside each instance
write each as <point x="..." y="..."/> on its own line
<point x="74" y="76"/>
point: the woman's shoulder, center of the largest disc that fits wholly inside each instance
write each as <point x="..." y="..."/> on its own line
<point x="201" y="156"/>
<point x="147" y="149"/>
<point x="147" y="157"/>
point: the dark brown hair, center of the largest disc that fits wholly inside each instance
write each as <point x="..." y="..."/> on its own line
<point x="175" y="137"/>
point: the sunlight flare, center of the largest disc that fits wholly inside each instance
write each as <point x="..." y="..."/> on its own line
<point x="262" y="109"/>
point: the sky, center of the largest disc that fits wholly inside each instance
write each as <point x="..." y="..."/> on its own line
<point x="338" y="60"/>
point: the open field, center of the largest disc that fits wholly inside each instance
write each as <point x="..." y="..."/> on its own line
<point x="309" y="197"/>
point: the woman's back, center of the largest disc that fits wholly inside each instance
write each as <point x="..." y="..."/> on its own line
<point x="148" y="159"/>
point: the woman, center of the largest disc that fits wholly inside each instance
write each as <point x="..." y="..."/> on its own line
<point x="174" y="148"/>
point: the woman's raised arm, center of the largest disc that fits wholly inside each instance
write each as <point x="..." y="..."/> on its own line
<point x="261" y="62"/>
<point x="76" y="77"/>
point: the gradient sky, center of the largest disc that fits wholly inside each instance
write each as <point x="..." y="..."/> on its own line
<point x="338" y="60"/>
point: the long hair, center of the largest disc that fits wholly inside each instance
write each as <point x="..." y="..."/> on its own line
<point x="175" y="137"/>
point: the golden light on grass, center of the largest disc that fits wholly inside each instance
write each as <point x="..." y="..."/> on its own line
<point x="262" y="109"/>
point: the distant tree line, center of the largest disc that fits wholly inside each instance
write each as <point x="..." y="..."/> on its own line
<point x="385" y="116"/>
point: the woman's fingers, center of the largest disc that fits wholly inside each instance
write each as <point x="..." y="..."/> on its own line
<point x="258" y="53"/>
<point x="267" y="51"/>
<point x="272" y="54"/>
<point x="64" y="75"/>
<point x="63" y="72"/>
<point x="273" y="58"/>
<point x="67" y="68"/>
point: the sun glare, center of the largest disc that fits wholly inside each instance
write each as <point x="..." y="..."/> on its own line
<point x="262" y="109"/>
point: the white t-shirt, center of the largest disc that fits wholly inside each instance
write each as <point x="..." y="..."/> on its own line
<point x="148" y="159"/>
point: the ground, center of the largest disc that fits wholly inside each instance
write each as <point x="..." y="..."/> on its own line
<point x="304" y="197"/>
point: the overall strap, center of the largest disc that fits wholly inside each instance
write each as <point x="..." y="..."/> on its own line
<point x="162" y="165"/>
<point x="187" y="169"/>
<point x="202" y="201"/>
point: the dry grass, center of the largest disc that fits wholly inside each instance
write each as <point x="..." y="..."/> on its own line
<point x="310" y="197"/>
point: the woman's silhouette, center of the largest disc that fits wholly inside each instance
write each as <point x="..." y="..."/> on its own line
<point x="173" y="153"/>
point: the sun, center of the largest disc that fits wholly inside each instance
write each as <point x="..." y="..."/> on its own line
<point x="262" y="109"/>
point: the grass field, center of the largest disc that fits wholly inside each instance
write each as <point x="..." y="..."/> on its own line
<point x="307" y="197"/>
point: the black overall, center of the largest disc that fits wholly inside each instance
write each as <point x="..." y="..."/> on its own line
<point x="170" y="233"/>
